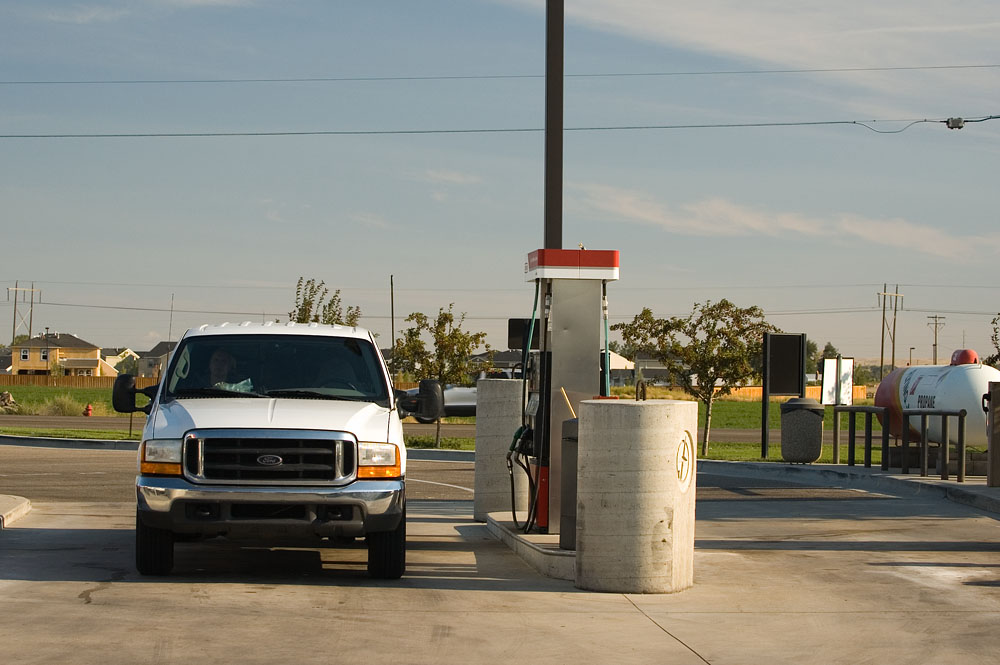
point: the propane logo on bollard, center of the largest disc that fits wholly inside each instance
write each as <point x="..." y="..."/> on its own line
<point x="685" y="461"/>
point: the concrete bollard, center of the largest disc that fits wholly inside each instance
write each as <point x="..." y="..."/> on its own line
<point x="498" y="415"/>
<point x="635" y="496"/>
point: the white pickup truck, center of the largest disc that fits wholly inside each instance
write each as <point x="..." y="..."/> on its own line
<point x="273" y="432"/>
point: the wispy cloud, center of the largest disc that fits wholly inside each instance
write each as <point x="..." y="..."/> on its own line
<point x="451" y="177"/>
<point x="210" y="3"/>
<point x="372" y="220"/>
<point x="807" y="33"/>
<point x="721" y="218"/>
<point x="84" y="14"/>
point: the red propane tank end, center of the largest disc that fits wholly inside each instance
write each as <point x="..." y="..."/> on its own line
<point x="965" y="357"/>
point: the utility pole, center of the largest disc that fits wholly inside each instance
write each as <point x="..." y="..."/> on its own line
<point x="936" y="324"/>
<point x="897" y="304"/>
<point x="554" y="20"/>
<point x="29" y="318"/>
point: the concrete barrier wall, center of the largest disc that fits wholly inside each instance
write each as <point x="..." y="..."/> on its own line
<point x="498" y="416"/>
<point x="636" y="496"/>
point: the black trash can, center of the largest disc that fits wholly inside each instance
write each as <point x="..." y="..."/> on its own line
<point x="801" y="430"/>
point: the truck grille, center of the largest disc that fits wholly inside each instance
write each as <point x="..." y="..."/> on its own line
<point x="270" y="457"/>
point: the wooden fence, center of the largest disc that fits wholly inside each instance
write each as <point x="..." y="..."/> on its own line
<point x="755" y="393"/>
<point x="98" y="382"/>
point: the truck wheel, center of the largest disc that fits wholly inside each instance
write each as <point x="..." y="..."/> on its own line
<point x="387" y="552"/>
<point x="154" y="549"/>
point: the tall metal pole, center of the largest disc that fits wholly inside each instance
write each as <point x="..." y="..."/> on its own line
<point x="31" y="310"/>
<point x="392" y="325"/>
<point x="937" y="323"/>
<point x="13" y="329"/>
<point x="881" y="357"/>
<point x="554" y="19"/>
<point x="895" y="300"/>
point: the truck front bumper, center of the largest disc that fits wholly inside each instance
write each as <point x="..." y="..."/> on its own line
<point x="364" y="506"/>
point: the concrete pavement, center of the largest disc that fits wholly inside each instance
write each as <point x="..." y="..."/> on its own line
<point x="881" y="569"/>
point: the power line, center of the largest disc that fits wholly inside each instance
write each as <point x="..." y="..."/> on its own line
<point x="618" y="288"/>
<point x="867" y="124"/>
<point x="491" y="77"/>
<point x="842" y="310"/>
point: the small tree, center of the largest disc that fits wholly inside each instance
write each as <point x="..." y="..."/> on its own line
<point x="711" y="351"/>
<point x="311" y="305"/>
<point x="128" y="365"/>
<point x="449" y="360"/>
<point x="813" y="364"/>
<point x="994" y="358"/>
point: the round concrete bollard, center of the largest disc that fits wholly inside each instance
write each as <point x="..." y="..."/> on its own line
<point x="801" y="430"/>
<point x="635" y="496"/>
<point x="498" y="415"/>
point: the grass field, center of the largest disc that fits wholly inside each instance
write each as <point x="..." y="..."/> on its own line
<point x="47" y="401"/>
<point x="742" y="452"/>
<point x="726" y="414"/>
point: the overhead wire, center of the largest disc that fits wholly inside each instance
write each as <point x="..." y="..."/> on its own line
<point x="867" y="124"/>
<point x="488" y="77"/>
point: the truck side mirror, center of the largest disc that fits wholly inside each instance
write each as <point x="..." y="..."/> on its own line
<point x="123" y="395"/>
<point x="431" y="398"/>
<point x="428" y="403"/>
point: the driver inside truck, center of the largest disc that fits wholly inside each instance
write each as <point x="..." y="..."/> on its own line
<point x="221" y="366"/>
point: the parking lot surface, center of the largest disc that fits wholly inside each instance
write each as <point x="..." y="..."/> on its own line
<point x="785" y="572"/>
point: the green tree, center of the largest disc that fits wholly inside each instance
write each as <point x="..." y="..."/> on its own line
<point x="865" y="375"/>
<point x="621" y="349"/>
<point x="128" y="365"/>
<point x="17" y="340"/>
<point x="449" y="360"/>
<point x="812" y="357"/>
<point x="994" y="358"/>
<point x="829" y="351"/>
<point x="710" y="351"/>
<point x="312" y="306"/>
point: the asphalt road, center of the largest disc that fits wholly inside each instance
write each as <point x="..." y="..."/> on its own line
<point x="56" y="474"/>
<point x="95" y="476"/>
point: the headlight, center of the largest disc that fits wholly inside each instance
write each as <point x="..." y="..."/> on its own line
<point x="160" y="457"/>
<point x="378" y="460"/>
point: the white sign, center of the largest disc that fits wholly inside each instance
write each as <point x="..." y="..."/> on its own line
<point x="846" y="381"/>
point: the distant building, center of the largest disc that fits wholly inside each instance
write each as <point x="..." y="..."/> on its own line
<point x="59" y="353"/>
<point x="115" y="355"/>
<point x="153" y="362"/>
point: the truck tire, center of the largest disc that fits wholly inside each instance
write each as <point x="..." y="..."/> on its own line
<point x="154" y="549"/>
<point x="387" y="552"/>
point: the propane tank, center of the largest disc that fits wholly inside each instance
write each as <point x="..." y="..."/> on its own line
<point x="960" y="385"/>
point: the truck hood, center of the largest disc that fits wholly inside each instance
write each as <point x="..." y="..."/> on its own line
<point x="367" y="421"/>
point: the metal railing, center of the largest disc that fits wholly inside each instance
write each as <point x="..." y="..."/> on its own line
<point x="943" y="453"/>
<point x="852" y="412"/>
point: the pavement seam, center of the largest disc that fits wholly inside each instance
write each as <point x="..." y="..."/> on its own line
<point x="674" y="637"/>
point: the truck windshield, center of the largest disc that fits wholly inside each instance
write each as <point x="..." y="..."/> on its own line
<point x="289" y="366"/>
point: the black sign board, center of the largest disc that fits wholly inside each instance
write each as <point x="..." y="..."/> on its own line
<point x="784" y="374"/>
<point x="517" y="333"/>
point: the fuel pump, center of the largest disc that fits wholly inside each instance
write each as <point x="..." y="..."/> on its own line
<point x="571" y="289"/>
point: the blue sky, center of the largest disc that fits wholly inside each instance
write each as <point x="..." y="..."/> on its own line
<point x="806" y="220"/>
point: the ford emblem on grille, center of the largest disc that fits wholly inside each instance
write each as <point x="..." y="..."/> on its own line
<point x="269" y="460"/>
